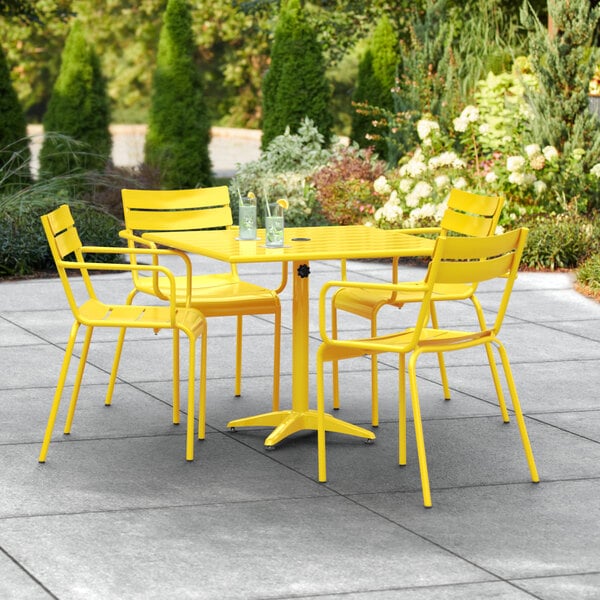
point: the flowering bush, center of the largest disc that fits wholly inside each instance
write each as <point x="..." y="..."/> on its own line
<point x="532" y="179"/>
<point x="346" y="187"/>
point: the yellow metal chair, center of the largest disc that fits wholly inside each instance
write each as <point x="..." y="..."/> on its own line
<point x="468" y="214"/>
<point x="456" y="261"/>
<point x="89" y="311"/>
<point x="216" y="295"/>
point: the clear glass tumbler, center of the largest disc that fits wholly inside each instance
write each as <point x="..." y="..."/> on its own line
<point x="274" y="226"/>
<point x="247" y="218"/>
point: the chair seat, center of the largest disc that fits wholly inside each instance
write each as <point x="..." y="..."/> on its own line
<point x="98" y="314"/>
<point x="219" y="295"/>
<point x="363" y="302"/>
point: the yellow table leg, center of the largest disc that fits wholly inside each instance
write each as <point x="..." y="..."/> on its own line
<point x="287" y="422"/>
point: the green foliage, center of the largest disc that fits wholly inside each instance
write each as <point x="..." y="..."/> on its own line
<point x="295" y="86"/>
<point x="179" y="128"/>
<point x="561" y="241"/>
<point x="14" y="153"/>
<point x="564" y="64"/>
<point x="376" y="78"/>
<point x="283" y="171"/>
<point x="79" y="109"/>
<point x="588" y="274"/>
<point x="345" y="187"/>
<point x="24" y="249"/>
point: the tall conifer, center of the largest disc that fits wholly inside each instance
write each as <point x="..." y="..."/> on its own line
<point x="376" y="78"/>
<point x="78" y="108"/>
<point x="295" y="85"/>
<point x="179" y="127"/>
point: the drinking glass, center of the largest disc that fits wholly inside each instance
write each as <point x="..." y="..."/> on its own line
<point x="274" y="226"/>
<point x="247" y="218"/>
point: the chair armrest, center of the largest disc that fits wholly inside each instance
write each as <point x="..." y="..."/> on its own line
<point x="155" y="268"/>
<point x="393" y="288"/>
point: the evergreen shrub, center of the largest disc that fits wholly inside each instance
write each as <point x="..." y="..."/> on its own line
<point x="179" y="127"/>
<point x="295" y="86"/>
<point x="78" y="110"/>
<point x="561" y="241"/>
<point x="24" y="249"/>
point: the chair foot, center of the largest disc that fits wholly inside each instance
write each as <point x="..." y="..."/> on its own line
<point x="237" y="395"/>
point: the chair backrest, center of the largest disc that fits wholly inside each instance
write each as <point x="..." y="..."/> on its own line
<point x="470" y="214"/>
<point x="63" y="240"/>
<point x="176" y="210"/>
<point x="471" y="260"/>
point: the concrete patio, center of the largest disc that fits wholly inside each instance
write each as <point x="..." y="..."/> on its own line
<point x="117" y="513"/>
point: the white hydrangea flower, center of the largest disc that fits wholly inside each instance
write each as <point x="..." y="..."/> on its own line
<point x="441" y="181"/>
<point x="405" y="185"/>
<point x="415" y="166"/>
<point x="381" y="186"/>
<point x="460" y="124"/>
<point x="539" y="187"/>
<point x="550" y="153"/>
<point x="491" y="177"/>
<point x="412" y="200"/>
<point x="532" y="150"/>
<point x="484" y="128"/>
<point x="595" y="170"/>
<point x="425" y="127"/>
<point x="460" y="183"/>
<point x="393" y="199"/>
<point x="515" y="163"/>
<point x="470" y="113"/>
<point x="516" y="178"/>
<point x="440" y="210"/>
<point x="422" y="190"/>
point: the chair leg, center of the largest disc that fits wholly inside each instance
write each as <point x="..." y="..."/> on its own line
<point x="491" y="361"/>
<point x="374" y="376"/>
<point x="115" y="367"/>
<point x="321" y="449"/>
<point x="335" y="365"/>
<point x="402" y="409"/>
<point x="189" y="438"/>
<point x="440" y="356"/>
<point x="277" y="360"/>
<point x="518" y="413"/>
<point x="78" y="378"/>
<point x="238" y="358"/>
<point x="176" y="380"/>
<point x="202" y="397"/>
<point x="412" y="370"/>
<point x="58" y="393"/>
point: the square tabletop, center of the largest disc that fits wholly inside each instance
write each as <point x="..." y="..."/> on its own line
<point x="300" y="243"/>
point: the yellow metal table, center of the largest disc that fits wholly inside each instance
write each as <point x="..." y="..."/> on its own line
<point x="301" y="245"/>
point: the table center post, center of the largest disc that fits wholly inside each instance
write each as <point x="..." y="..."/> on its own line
<point x="300" y="337"/>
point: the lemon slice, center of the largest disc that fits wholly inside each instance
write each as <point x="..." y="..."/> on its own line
<point x="283" y="203"/>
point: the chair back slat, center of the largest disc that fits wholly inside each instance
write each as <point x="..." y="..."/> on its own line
<point x="474" y="260"/>
<point x="63" y="240"/>
<point x="176" y="210"/>
<point x="471" y="214"/>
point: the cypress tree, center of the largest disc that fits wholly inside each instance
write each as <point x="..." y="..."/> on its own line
<point x="295" y="86"/>
<point x="179" y="127"/>
<point x="376" y="78"/>
<point x="14" y="145"/>
<point x="564" y="63"/>
<point x="78" y="109"/>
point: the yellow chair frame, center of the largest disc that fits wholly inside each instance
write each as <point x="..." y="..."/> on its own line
<point x="467" y="214"/>
<point x="216" y="295"/>
<point x="91" y="312"/>
<point x="456" y="261"/>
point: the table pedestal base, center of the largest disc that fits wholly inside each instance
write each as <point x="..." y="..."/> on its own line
<point x="287" y="422"/>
